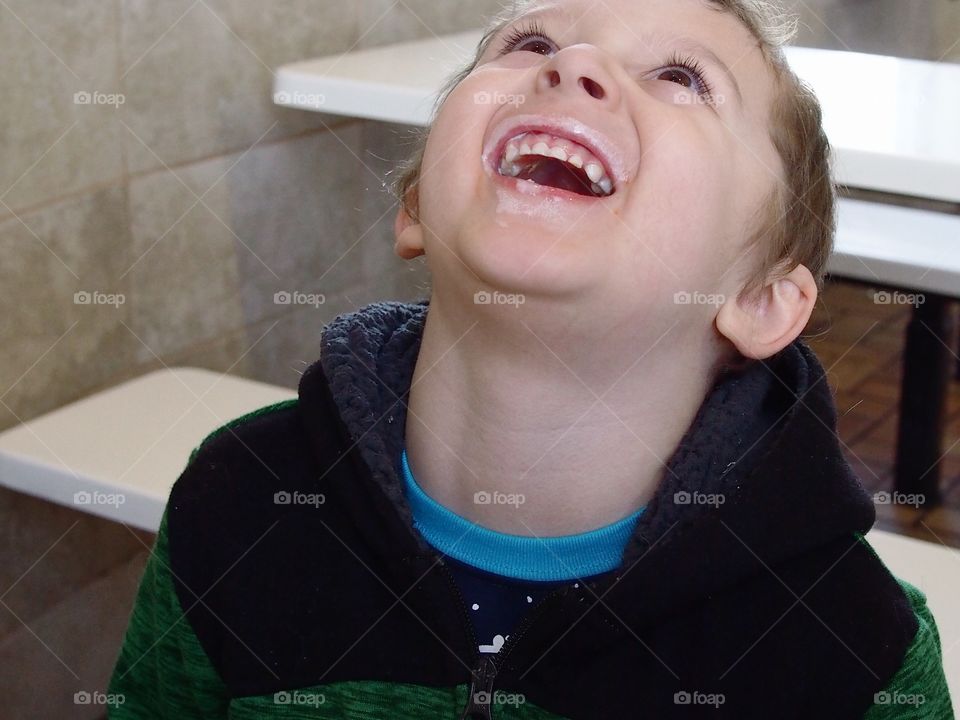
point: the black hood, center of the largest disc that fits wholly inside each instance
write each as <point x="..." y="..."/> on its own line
<point x="769" y="597"/>
<point x="764" y="440"/>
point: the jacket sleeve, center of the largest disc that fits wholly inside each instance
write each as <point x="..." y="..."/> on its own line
<point x="918" y="690"/>
<point x="162" y="670"/>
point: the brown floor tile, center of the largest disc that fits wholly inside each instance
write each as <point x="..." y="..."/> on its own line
<point x="883" y="385"/>
<point x="856" y="415"/>
<point x="864" y="371"/>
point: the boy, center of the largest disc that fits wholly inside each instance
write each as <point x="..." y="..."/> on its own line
<point x="595" y="475"/>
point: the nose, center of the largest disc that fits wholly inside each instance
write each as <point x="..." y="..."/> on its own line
<point x="579" y="71"/>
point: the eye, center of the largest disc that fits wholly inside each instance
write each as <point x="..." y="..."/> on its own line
<point x="689" y="73"/>
<point x="679" y="76"/>
<point x="683" y="70"/>
<point x="528" y="38"/>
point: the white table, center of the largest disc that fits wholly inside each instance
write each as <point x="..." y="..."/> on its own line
<point x="869" y="247"/>
<point x="117" y="453"/>
<point x="894" y="122"/>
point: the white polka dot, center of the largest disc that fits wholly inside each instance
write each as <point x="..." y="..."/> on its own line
<point x="576" y="584"/>
<point x="476" y="607"/>
<point x="498" y="641"/>
<point x="529" y="599"/>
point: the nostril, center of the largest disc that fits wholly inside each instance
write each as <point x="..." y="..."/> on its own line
<point x="554" y="78"/>
<point x="592" y="87"/>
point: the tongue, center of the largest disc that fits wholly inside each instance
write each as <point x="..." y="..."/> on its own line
<point x="554" y="173"/>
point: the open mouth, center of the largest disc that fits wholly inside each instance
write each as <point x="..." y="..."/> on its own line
<point x="556" y="162"/>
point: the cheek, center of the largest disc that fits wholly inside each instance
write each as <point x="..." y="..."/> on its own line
<point x="682" y="218"/>
<point x="451" y="162"/>
<point x="684" y="193"/>
<point x="452" y="158"/>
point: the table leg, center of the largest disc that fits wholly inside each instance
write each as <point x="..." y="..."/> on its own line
<point x="956" y="367"/>
<point x="923" y="399"/>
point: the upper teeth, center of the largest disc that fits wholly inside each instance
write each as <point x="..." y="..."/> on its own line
<point x="534" y="143"/>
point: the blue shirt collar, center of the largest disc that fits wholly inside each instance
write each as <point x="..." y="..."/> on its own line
<point x="564" y="557"/>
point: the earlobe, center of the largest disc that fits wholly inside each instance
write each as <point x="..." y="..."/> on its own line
<point x="764" y="324"/>
<point x="408" y="235"/>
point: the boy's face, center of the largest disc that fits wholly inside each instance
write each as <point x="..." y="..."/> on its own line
<point x="688" y="167"/>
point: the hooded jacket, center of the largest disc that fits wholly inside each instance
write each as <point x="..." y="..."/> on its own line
<point x="288" y="579"/>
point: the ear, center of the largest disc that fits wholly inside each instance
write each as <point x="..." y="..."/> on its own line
<point x="409" y="236"/>
<point x="766" y="322"/>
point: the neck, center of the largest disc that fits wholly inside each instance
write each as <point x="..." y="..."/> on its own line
<point x="566" y="426"/>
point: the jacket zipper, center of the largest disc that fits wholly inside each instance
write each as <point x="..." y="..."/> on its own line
<point x="487" y="665"/>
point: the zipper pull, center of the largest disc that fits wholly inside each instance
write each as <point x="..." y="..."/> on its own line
<point x="480" y="699"/>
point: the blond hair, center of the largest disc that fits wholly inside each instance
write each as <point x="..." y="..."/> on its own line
<point x="795" y="223"/>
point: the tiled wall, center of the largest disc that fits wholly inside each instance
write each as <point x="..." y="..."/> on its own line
<point x="928" y="29"/>
<point x="198" y="199"/>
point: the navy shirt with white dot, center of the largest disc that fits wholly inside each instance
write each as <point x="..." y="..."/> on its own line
<point x="496" y="604"/>
<point x="501" y="576"/>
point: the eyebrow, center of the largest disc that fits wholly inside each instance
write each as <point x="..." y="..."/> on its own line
<point x="683" y="43"/>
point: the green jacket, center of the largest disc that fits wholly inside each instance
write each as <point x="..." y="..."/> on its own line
<point x="287" y="579"/>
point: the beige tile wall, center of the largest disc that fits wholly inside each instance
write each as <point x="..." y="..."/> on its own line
<point x="198" y="200"/>
<point x="928" y="30"/>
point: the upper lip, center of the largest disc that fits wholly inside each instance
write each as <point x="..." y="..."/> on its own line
<point x="563" y="126"/>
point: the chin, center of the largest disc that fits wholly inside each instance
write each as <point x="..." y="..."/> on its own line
<point x="523" y="258"/>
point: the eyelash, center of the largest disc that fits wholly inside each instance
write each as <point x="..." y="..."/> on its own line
<point x="535" y="30"/>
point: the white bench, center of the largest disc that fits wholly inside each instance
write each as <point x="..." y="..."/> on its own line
<point x="898" y="246"/>
<point x="117" y="453"/>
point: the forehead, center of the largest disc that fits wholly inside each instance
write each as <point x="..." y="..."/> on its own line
<point x="648" y="20"/>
